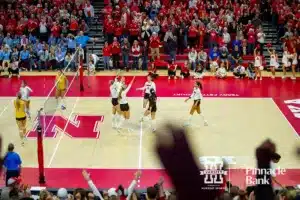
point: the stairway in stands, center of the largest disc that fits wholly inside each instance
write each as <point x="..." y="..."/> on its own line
<point x="271" y="37"/>
<point x="96" y="30"/>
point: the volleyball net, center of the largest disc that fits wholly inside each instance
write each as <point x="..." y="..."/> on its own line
<point x="54" y="110"/>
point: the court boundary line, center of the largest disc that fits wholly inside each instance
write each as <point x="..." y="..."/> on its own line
<point x="283" y="115"/>
<point x="62" y="133"/>
<point x="136" y="97"/>
<point x="6" y="107"/>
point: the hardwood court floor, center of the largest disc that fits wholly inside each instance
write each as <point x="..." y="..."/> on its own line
<point x="236" y="126"/>
<point x="81" y="136"/>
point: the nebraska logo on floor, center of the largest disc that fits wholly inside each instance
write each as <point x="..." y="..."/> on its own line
<point x="294" y="109"/>
<point x="78" y="126"/>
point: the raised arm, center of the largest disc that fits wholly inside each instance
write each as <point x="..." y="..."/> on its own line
<point x="141" y="88"/>
<point x="132" y="185"/>
<point x="129" y="86"/>
<point x="28" y="88"/>
<point x="92" y="186"/>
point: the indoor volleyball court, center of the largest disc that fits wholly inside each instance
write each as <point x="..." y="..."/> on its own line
<point x="240" y="113"/>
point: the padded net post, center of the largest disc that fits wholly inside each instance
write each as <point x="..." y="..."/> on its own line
<point x="40" y="149"/>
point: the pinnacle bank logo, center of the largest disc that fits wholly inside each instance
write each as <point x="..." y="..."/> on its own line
<point x="213" y="170"/>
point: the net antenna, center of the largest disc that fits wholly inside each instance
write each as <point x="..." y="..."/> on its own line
<point x="40" y="148"/>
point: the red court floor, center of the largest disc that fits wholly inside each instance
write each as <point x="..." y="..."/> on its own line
<point x="285" y="93"/>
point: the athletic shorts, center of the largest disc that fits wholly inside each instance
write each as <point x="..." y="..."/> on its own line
<point x="197" y="102"/>
<point x="124" y="107"/>
<point x="146" y="96"/>
<point x="21" y="119"/>
<point x="152" y="109"/>
<point x="114" y="101"/>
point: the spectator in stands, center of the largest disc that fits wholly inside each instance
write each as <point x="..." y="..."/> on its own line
<point x="145" y="52"/>
<point x="214" y="55"/>
<point x="134" y="31"/>
<point x="261" y="38"/>
<point x="202" y="58"/>
<point x="60" y="57"/>
<point x="193" y="35"/>
<point x="6" y="58"/>
<point x="71" y="43"/>
<point x="52" y="59"/>
<point x="226" y="37"/>
<point x="11" y="189"/>
<point x="115" y="51"/>
<point x="172" y="47"/>
<point x="43" y="30"/>
<point x="154" y="46"/>
<point x="89" y="12"/>
<point x="275" y="160"/>
<point x="24" y="58"/>
<point x="236" y="56"/>
<point x="13" y="68"/>
<point x="125" y="53"/>
<point x="221" y="71"/>
<point x="62" y="194"/>
<point x="153" y="71"/>
<point x="32" y="59"/>
<point x="145" y="34"/>
<point x="45" y="195"/>
<point x="136" y="53"/>
<point x="172" y="67"/>
<point x="213" y="38"/>
<point x="106" y="52"/>
<point x="43" y="59"/>
<point x="69" y="62"/>
<point x="199" y="71"/>
<point x="239" y="71"/>
<point x="184" y="70"/>
<point x="109" y="29"/>
<point x="12" y="163"/>
<point x="192" y="58"/>
<point x="181" y="35"/>
<point x="224" y="56"/>
<point x="251" y="71"/>
<point x="251" y="41"/>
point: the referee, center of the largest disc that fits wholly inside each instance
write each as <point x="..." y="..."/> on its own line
<point x="12" y="163"/>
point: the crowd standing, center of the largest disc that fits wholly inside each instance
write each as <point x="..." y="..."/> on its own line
<point x="213" y="33"/>
<point x="42" y="35"/>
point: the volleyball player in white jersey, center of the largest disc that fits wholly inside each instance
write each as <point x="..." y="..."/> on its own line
<point x="124" y="106"/>
<point x="258" y="64"/>
<point x="285" y="61"/>
<point x="114" y="93"/>
<point x="197" y="97"/>
<point x="294" y="57"/>
<point x="25" y="91"/>
<point x="273" y="62"/>
<point x="152" y="108"/>
<point x="147" y="87"/>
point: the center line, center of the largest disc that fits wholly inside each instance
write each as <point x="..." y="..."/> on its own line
<point x="63" y="133"/>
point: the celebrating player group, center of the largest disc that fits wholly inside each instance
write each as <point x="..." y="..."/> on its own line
<point x="121" y="108"/>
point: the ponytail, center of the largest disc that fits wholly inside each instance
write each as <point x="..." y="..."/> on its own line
<point x="199" y="85"/>
<point x="18" y="104"/>
<point x="120" y="93"/>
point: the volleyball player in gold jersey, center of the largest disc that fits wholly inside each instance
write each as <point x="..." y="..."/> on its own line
<point x="61" y="82"/>
<point x="20" y="112"/>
